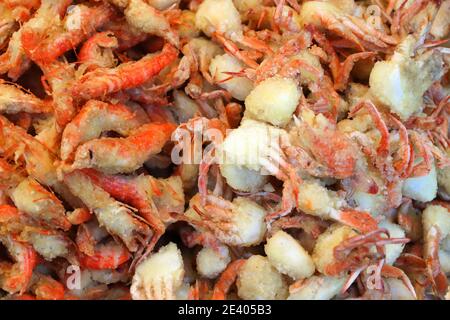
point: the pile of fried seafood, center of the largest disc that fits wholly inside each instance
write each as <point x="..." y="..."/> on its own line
<point x="224" y="149"/>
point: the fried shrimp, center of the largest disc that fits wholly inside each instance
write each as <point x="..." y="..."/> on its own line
<point x="123" y="155"/>
<point x="224" y="149"/>
<point x="111" y="214"/>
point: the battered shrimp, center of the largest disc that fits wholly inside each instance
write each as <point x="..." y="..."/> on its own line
<point x="221" y="19"/>
<point x="33" y="199"/>
<point x="327" y="16"/>
<point x="123" y="155"/>
<point x="400" y="82"/>
<point x="96" y="117"/>
<point x="259" y="280"/>
<point x="97" y="51"/>
<point x="273" y="100"/>
<point x="13" y="13"/>
<point x="340" y="249"/>
<point x="147" y="18"/>
<point x="198" y="54"/>
<point x="14" y="100"/>
<point x="155" y="199"/>
<point x="38" y="159"/>
<point x="317" y="288"/>
<point x="48" y="243"/>
<point x="159" y="276"/>
<point x="288" y="256"/>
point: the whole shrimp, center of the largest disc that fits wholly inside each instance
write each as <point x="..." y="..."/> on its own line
<point x="96" y="117"/>
<point x="38" y="159"/>
<point x="13" y="13"/>
<point x="404" y="68"/>
<point x="237" y="222"/>
<point x="14" y="60"/>
<point x="97" y="51"/>
<point x="340" y="249"/>
<point x="103" y="81"/>
<point x="32" y="198"/>
<point x="15" y="277"/>
<point x="305" y="194"/>
<point x="224" y="149"/>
